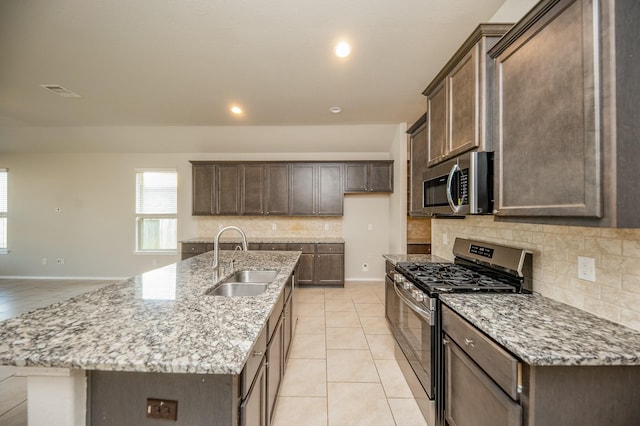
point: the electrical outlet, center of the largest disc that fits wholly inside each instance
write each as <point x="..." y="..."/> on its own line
<point x="445" y="238"/>
<point x="587" y="268"/>
<point x="365" y="267"/>
<point x="326" y="226"/>
<point x="370" y="227"/>
<point x="162" y="409"/>
<point x="274" y="227"/>
<point x="220" y="226"/>
<point x="60" y="261"/>
<point x="44" y="260"/>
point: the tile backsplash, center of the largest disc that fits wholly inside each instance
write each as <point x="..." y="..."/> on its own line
<point x="615" y="295"/>
<point x="259" y="226"/>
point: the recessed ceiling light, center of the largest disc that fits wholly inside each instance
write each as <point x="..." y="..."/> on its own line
<point x="236" y="110"/>
<point x="335" y="110"/>
<point x="343" y="49"/>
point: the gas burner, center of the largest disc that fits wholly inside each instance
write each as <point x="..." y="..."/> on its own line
<point x="451" y="277"/>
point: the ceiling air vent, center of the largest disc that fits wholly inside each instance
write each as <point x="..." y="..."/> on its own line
<point x="59" y="90"/>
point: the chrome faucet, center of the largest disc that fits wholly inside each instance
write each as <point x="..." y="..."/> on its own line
<point x="216" y="244"/>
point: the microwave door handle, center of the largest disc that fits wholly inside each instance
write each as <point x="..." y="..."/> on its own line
<point x="454" y="207"/>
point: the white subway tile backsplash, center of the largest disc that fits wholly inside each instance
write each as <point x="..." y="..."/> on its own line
<point x="614" y="295"/>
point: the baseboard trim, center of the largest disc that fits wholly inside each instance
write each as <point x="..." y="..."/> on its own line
<point x="364" y="279"/>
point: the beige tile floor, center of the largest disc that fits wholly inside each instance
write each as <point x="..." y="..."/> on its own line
<point x="341" y="369"/>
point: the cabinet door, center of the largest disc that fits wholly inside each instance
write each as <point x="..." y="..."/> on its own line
<point x="287" y="318"/>
<point x="274" y="367"/>
<point x="437" y="124"/>
<point x="381" y="177"/>
<point x="252" y="191"/>
<point x="306" y="269"/>
<point x="228" y="189"/>
<point x="274" y="246"/>
<point x="302" y="194"/>
<point x="472" y="398"/>
<point x="548" y="154"/>
<point x="277" y="189"/>
<point x="329" y="264"/>
<point x="463" y="84"/>
<point x="253" y="409"/>
<point x="417" y="166"/>
<point x="330" y="195"/>
<point x="203" y="187"/>
<point x="356" y="177"/>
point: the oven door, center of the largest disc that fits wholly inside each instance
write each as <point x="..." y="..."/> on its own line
<point x="414" y="329"/>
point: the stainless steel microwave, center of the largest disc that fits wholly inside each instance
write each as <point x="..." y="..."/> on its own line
<point x="463" y="185"/>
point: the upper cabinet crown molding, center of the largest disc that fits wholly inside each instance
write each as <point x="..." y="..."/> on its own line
<point x="566" y="124"/>
<point x="459" y="99"/>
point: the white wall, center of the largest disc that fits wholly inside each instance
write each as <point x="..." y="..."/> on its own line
<point x="94" y="229"/>
<point x="513" y="10"/>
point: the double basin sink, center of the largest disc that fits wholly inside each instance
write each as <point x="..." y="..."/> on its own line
<point x="243" y="283"/>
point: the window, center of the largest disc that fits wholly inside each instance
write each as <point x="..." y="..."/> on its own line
<point x="3" y="210"/>
<point x="156" y="211"/>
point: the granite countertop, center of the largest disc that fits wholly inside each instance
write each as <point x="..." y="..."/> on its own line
<point x="544" y="332"/>
<point x="294" y="240"/>
<point x="418" y="258"/>
<point x="159" y="321"/>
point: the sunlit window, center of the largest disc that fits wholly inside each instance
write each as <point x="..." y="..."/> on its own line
<point x="156" y="211"/>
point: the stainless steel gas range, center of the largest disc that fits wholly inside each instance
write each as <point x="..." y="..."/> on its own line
<point x="414" y="313"/>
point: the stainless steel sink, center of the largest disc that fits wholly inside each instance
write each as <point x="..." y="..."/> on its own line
<point x="252" y="277"/>
<point x="234" y="289"/>
<point x="243" y="283"/>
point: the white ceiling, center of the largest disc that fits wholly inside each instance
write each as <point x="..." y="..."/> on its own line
<point x="183" y="62"/>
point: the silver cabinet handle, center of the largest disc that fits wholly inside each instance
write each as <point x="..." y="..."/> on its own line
<point x="469" y="342"/>
<point x="258" y="353"/>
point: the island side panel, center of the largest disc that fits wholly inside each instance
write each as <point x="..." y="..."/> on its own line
<point x="119" y="398"/>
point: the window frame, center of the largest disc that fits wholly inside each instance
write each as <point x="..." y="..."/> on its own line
<point x="140" y="217"/>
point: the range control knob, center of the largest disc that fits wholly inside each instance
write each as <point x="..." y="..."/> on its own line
<point x="418" y="295"/>
<point x="407" y="285"/>
<point x="399" y="278"/>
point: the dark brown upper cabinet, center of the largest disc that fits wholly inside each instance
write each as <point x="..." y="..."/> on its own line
<point x="368" y="176"/>
<point x="567" y="109"/>
<point x="316" y="189"/>
<point x="216" y="189"/>
<point x="417" y="165"/>
<point x="459" y="99"/>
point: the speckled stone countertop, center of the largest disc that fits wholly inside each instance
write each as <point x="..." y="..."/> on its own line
<point x="542" y="331"/>
<point x="159" y="321"/>
<point x="396" y="258"/>
<point x="294" y="240"/>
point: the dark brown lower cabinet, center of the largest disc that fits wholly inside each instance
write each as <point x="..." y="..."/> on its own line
<point x="320" y="263"/>
<point x="275" y="367"/>
<point x="253" y="409"/>
<point x="472" y="397"/>
<point x="485" y="385"/>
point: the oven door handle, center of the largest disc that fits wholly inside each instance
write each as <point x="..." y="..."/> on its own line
<point x="455" y="207"/>
<point x="428" y="316"/>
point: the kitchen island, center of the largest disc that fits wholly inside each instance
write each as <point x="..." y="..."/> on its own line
<point x="152" y="333"/>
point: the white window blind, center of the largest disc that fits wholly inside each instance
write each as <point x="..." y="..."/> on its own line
<point x="156" y="210"/>
<point x="4" y="208"/>
<point x="156" y="193"/>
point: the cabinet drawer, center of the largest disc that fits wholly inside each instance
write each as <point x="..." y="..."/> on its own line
<point x="230" y="246"/>
<point x="273" y="246"/>
<point x="494" y="360"/>
<point x="305" y="248"/>
<point x="275" y="316"/>
<point x="194" y="248"/>
<point x="330" y="248"/>
<point x="254" y="361"/>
